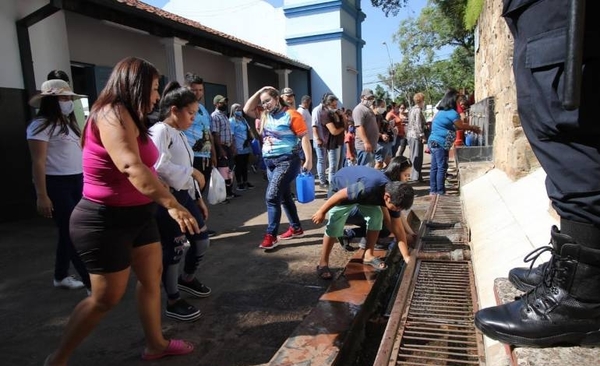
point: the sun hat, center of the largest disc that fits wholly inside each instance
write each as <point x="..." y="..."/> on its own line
<point x="54" y="88"/>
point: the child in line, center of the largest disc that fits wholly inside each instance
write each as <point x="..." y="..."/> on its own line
<point x="379" y="200"/>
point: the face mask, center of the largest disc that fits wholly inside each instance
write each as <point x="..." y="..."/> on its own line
<point x="351" y="129"/>
<point x="222" y="107"/>
<point x="381" y="110"/>
<point x="275" y="109"/>
<point x="238" y="113"/>
<point x="368" y="103"/>
<point x="66" y="107"/>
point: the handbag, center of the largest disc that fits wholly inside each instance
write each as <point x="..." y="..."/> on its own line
<point x="216" y="189"/>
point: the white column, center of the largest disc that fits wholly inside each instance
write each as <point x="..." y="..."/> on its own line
<point x="241" y="78"/>
<point x="283" y="77"/>
<point x="173" y="49"/>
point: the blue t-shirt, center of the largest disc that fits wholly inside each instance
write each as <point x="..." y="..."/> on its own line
<point x="365" y="186"/>
<point x="281" y="133"/>
<point x="200" y="131"/>
<point x="443" y="130"/>
<point x="239" y="129"/>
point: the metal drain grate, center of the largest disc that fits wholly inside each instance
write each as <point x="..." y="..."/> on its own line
<point x="431" y="319"/>
<point x="438" y="327"/>
<point x="446" y="239"/>
<point x="447" y="210"/>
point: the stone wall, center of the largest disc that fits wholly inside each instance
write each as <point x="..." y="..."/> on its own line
<point x="494" y="78"/>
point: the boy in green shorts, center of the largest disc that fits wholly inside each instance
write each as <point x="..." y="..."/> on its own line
<point x="379" y="200"/>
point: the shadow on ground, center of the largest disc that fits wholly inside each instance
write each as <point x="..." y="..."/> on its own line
<point x="258" y="298"/>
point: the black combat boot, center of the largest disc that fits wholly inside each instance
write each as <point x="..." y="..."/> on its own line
<point x="563" y="310"/>
<point x="524" y="278"/>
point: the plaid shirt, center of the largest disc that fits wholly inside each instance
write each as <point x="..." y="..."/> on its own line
<point x="220" y="124"/>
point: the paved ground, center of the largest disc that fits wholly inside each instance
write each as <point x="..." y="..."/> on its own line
<point x="258" y="298"/>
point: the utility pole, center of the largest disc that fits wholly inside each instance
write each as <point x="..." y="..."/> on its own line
<point x="392" y="71"/>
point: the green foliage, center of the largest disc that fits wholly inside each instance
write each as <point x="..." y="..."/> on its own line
<point x="439" y="27"/>
<point x="474" y="8"/>
<point x="389" y="6"/>
<point x="379" y="92"/>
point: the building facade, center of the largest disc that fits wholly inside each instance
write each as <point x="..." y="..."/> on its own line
<point x="86" y="38"/>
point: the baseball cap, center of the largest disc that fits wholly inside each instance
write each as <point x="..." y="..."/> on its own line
<point x="287" y="91"/>
<point x="367" y="93"/>
<point x="219" y="99"/>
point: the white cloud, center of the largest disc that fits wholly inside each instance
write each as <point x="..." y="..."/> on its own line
<point x="255" y="21"/>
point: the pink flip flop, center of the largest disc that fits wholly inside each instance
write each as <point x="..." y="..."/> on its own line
<point x="176" y="347"/>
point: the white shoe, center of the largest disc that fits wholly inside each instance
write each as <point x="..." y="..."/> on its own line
<point x="69" y="283"/>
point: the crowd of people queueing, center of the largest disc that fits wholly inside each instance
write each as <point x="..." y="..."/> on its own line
<point x="127" y="195"/>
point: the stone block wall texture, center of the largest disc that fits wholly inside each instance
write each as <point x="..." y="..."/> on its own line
<point x="494" y="78"/>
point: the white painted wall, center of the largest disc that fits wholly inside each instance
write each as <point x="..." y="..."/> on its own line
<point x="314" y="23"/>
<point x="325" y="58"/>
<point x="349" y="77"/>
<point x="94" y="42"/>
<point x="212" y="68"/>
<point x="256" y="22"/>
<point x="49" y="47"/>
<point x="348" y="23"/>
<point x="11" y="75"/>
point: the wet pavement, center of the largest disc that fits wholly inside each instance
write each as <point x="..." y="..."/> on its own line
<point x="258" y="298"/>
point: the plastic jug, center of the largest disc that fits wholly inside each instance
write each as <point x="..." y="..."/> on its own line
<point x="469" y="139"/>
<point x="305" y="187"/>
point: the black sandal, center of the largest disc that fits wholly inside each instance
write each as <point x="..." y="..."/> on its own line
<point x="324" y="273"/>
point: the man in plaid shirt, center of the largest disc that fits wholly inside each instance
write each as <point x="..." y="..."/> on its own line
<point x="223" y="139"/>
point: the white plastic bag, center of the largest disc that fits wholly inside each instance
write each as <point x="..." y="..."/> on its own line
<point x="216" y="188"/>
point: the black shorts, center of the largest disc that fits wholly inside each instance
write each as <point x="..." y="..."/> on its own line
<point x="104" y="235"/>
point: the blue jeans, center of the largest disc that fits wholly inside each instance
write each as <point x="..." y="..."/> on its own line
<point x="65" y="192"/>
<point x="334" y="162"/>
<point x="399" y="146"/>
<point x="439" y="167"/>
<point x="383" y="150"/>
<point x="281" y="171"/>
<point x="320" y="151"/>
<point x="364" y="158"/>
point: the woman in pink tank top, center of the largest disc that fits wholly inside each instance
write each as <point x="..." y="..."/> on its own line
<point x="113" y="226"/>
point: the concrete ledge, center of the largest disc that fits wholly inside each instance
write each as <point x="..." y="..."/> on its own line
<point x="333" y="331"/>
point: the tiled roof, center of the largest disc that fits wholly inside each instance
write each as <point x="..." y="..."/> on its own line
<point x="179" y="19"/>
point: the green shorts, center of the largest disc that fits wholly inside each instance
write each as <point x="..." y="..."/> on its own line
<point x="338" y="215"/>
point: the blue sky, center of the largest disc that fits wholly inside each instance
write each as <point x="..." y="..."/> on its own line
<point x="376" y="29"/>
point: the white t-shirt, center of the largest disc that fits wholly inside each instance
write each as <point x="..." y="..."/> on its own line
<point x="175" y="160"/>
<point x="63" y="155"/>
<point x="307" y="120"/>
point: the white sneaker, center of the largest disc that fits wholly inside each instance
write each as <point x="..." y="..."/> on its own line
<point x="69" y="283"/>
